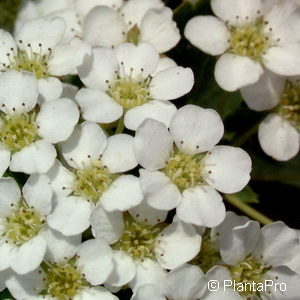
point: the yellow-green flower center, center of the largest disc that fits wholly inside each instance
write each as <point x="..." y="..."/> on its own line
<point x="249" y="40"/>
<point x="23" y="224"/>
<point x="92" y="181"/>
<point x="138" y="239"/>
<point x="18" y="131"/>
<point x="133" y="35"/>
<point x="130" y="92"/>
<point x="63" y="281"/>
<point x="248" y="271"/>
<point x="184" y="170"/>
<point x="289" y="107"/>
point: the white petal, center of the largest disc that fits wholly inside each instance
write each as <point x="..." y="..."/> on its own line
<point x="5" y="160"/>
<point x="195" y="129"/>
<point x="95" y="293"/>
<point x="57" y="119"/>
<point x="67" y="57"/>
<point x="119" y="155"/>
<point x="97" y="106"/>
<point x="165" y="63"/>
<point x="124" y="193"/>
<point x="18" y="92"/>
<point x="283" y="60"/>
<point x="161" y="111"/>
<point x="104" y="26"/>
<point x="40" y="35"/>
<point x="22" y="260"/>
<point x="153" y="144"/>
<point x="148" y="291"/>
<point x="265" y="93"/>
<point x="159" y="191"/>
<point x="38" y="193"/>
<point x="198" y="31"/>
<point x="98" y="68"/>
<point x="278" y="138"/>
<point x="134" y="60"/>
<point x="6" y="250"/>
<point x="7" y="43"/>
<point x="144" y="213"/>
<point x="247" y="11"/>
<point x="60" y="247"/>
<point x="95" y="261"/>
<point x="179" y="243"/>
<point x="124" y="269"/>
<point x="35" y="158"/>
<point x="233" y="72"/>
<point x="158" y="28"/>
<point x="107" y="225"/>
<point x="171" y="83"/>
<point x="70" y="216"/>
<point x="69" y="91"/>
<point x="227" y="168"/>
<point x="10" y="195"/>
<point x="201" y="206"/>
<point x="86" y="144"/>
<point x="49" y="89"/>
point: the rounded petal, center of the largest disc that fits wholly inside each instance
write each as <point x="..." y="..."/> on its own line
<point x="95" y="261"/>
<point x="119" y="155"/>
<point x="159" y="191"/>
<point x="5" y="160"/>
<point x="38" y="193"/>
<point x="86" y="144"/>
<point x="198" y="31"/>
<point x="18" y="92"/>
<point x="278" y="138"/>
<point x="148" y="291"/>
<point x="171" y="83"/>
<point x="158" y="28"/>
<point x="35" y="158"/>
<point x="227" y="168"/>
<point x="49" y="88"/>
<point x="70" y="216"/>
<point x="10" y="195"/>
<point x="265" y="93"/>
<point x="108" y="226"/>
<point x="104" y="26"/>
<point x="6" y="250"/>
<point x="8" y="45"/>
<point x="97" y="106"/>
<point x="153" y="144"/>
<point x="57" y="119"/>
<point x="195" y="129"/>
<point x="95" y="293"/>
<point x="161" y="111"/>
<point x="40" y="35"/>
<point x="201" y="206"/>
<point x="233" y="72"/>
<point x="179" y="243"/>
<point x="124" y="193"/>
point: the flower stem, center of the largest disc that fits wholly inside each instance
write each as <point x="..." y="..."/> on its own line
<point x="120" y="126"/>
<point x="247" y="209"/>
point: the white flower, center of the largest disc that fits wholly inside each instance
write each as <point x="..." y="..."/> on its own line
<point x="128" y="80"/>
<point x="37" y="48"/>
<point x="278" y="133"/>
<point x="137" y="21"/>
<point x="73" y="278"/>
<point x="186" y="175"/>
<point x="26" y="134"/>
<point x="143" y="248"/>
<point x="24" y="229"/>
<point x="97" y="163"/>
<point x="248" y="35"/>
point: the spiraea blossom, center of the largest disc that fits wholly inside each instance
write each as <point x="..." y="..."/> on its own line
<point x="96" y="165"/>
<point x="144" y="247"/>
<point x="278" y="133"/>
<point x="28" y="132"/>
<point x="70" y="277"/>
<point x="248" y="36"/>
<point x="127" y="80"/>
<point x="183" y="168"/>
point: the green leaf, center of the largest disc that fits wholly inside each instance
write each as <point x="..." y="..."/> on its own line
<point x="5" y="295"/>
<point x="9" y="10"/>
<point x="247" y="195"/>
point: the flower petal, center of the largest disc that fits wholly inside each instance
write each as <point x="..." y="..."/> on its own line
<point x="198" y="31"/>
<point x="233" y="72"/>
<point x="7" y="43"/>
<point x="95" y="293"/>
<point x="5" y="160"/>
<point x="195" y="129"/>
<point x="50" y="88"/>
<point x="84" y="7"/>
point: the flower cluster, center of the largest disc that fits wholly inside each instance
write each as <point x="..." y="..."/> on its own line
<point x="107" y="184"/>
